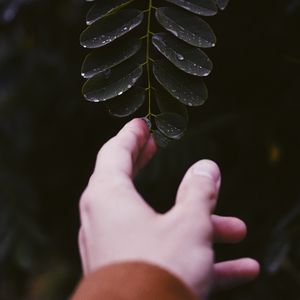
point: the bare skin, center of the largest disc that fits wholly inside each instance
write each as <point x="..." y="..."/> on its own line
<point x="117" y="225"/>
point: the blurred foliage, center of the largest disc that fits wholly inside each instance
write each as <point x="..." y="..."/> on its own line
<point x="49" y="137"/>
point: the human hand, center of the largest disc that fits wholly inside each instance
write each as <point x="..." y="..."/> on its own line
<point x="117" y="225"/>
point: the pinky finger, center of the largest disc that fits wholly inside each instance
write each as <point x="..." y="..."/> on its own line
<point x="233" y="273"/>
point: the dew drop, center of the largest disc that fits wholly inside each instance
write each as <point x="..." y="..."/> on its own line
<point x="173" y="31"/>
<point x="179" y="57"/>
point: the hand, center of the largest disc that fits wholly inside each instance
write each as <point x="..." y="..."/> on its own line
<point x="117" y="225"/>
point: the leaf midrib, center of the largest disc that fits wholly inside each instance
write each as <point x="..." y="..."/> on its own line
<point x="149" y="87"/>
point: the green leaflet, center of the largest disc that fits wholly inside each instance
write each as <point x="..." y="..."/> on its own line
<point x="191" y="60"/>
<point x="222" y="3"/>
<point x="110" y="28"/>
<point x="189" y="28"/>
<point x="132" y="67"/>
<point x="105" y="58"/>
<point x="112" y="83"/>
<point x="189" y="90"/>
<point x="128" y="103"/>
<point x="199" y="7"/>
<point x="171" y="125"/>
<point x="103" y="8"/>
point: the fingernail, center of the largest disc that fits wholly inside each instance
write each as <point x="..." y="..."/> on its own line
<point x="207" y="169"/>
<point x="148" y="122"/>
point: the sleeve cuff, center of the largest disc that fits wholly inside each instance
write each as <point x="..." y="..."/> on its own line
<point x="132" y="281"/>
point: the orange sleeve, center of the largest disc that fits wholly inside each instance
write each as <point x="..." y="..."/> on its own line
<point x="132" y="281"/>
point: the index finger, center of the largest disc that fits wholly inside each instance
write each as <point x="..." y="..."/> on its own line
<point x="115" y="167"/>
<point x="120" y="156"/>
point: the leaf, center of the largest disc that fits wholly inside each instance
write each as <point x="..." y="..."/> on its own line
<point x="127" y="104"/>
<point x="105" y="58"/>
<point x="168" y="104"/>
<point x="189" y="90"/>
<point x="174" y="118"/>
<point x="186" y="26"/>
<point x="106" y="30"/>
<point x="199" y="7"/>
<point x="101" y="9"/>
<point x="112" y="83"/>
<point x="132" y="64"/>
<point x="222" y="3"/>
<point x="189" y="59"/>
<point x="161" y="140"/>
<point x="171" y="125"/>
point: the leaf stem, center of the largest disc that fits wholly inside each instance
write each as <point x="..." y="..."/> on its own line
<point x="148" y="60"/>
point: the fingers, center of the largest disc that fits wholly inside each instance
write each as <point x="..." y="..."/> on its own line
<point x="228" y="229"/>
<point x="146" y="154"/>
<point x="117" y="162"/>
<point x="119" y="156"/>
<point x="232" y="273"/>
<point x="198" y="191"/>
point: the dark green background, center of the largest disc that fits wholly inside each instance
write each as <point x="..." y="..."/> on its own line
<point x="49" y="137"/>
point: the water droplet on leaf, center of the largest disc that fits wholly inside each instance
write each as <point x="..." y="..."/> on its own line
<point x="179" y="57"/>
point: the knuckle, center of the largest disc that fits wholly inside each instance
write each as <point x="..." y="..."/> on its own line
<point x="93" y="182"/>
<point x="209" y="190"/>
<point x="85" y="202"/>
<point x="98" y="184"/>
<point x="97" y="191"/>
<point x="200" y="186"/>
<point x="202" y="253"/>
<point x="203" y="226"/>
<point x="106" y="147"/>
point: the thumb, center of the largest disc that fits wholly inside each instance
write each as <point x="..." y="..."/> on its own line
<point x="198" y="191"/>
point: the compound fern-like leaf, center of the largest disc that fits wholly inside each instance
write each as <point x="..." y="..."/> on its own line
<point x="147" y="53"/>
